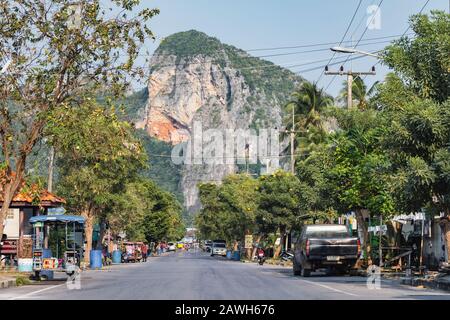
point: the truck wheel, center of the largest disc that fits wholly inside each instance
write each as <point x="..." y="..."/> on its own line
<point x="296" y="269"/>
<point x="305" y="272"/>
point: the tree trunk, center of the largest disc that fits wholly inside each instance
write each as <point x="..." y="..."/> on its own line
<point x="248" y="251"/>
<point x="277" y="250"/>
<point x="365" y="234"/>
<point x="235" y="246"/>
<point x="88" y="229"/>
<point x="447" y="236"/>
<point x="9" y="190"/>
<point x="258" y="239"/>
<point x="101" y="236"/>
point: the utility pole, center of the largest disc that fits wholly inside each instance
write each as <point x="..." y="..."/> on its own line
<point x="350" y="75"/>
<point x="379" y="245"/>
<point x="247" y="156"/>
<point x="292" y="142"/>
<point x="50" y="169"/>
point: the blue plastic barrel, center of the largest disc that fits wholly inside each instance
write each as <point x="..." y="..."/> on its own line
<point x="95" y="259"/>
<point x="117" y="256"/>
<point x="236" y="255"/>
<point x="47" y="253"/>
<point x="229" y="254"/>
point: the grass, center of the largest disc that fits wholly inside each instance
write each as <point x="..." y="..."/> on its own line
<point x="22" y="280"/>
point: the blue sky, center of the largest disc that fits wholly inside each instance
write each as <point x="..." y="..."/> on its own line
<point x="251" y="24"/>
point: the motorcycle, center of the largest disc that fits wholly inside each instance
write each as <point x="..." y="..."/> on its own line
<point x="261" y="258"/>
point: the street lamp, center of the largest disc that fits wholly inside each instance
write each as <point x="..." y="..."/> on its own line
<point x="352" y="50"/>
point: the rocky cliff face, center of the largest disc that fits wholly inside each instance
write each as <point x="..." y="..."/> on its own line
<point x="196" y="78"/>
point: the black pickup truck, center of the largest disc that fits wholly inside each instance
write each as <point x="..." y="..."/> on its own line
<point x="325" y="246"/>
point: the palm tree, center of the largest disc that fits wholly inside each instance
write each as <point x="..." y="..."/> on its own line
<point x="360" y="94"/>
<point x="307" y="104"/>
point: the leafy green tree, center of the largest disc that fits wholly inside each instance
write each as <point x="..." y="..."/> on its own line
<point x="240" y="195"/>
<point x="423" y="62"/>
<point x="278" y="203"/>
<point x="361" y="170"/>
<point x="318" y="190"/>
<point x="229" y="210"/>
<point x="211" y="221"/>
<point x="58" y="50"/>
<point x="416" y="104"/>
<point x="98" y="156"/>
<point x="146" y="212"/>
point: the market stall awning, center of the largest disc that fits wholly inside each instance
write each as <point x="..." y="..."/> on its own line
<point x="57" y="218"/>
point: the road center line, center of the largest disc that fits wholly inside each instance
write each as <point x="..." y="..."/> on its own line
<point x="38" y="291"/>
<point x="328" y="287"/>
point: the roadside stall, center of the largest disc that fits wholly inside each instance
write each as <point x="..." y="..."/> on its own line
<point x="132" y="251"/>
<point x="57" y="243"/>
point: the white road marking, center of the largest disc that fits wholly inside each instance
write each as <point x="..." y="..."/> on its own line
<point x="38" y="291"/>
<point x="329" y="288"/>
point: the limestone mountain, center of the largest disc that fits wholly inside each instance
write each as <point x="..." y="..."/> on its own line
<point x="194" y="77"/>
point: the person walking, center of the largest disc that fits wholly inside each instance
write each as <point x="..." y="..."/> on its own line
<point x="144" y="250"/>
<point x="158" y="249"/>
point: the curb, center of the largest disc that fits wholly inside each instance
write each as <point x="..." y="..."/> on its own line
<point x="440" y="285"/>
<point x="7" y="283"/>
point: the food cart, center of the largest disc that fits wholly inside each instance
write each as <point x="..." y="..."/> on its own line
<point x="132" y="251"/>
<point x="68" y="241"/>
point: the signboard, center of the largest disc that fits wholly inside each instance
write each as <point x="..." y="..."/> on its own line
<point x="56" y="211"/>
<point x="248" y="241"/>
<point x="278" y="241"/>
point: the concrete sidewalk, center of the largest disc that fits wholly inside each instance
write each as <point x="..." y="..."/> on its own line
<point x="441" y="282"/>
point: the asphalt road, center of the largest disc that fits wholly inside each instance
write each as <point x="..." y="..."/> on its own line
<point x="198" y="276"/>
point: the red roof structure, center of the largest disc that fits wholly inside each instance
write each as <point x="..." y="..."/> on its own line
<point x="31" y="196"/>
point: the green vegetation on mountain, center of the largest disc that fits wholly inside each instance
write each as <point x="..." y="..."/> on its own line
<point x="260" y="75"/>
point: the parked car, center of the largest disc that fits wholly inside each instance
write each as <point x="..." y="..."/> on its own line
<point x="325" y="246"/>
<point x="171" y="246"/>
<point x="219" y="249"/>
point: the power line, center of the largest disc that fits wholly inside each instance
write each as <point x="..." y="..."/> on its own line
<point x="343" y="37"/>
<point x="359" y="40"/>
<point x="278" y="54"/>
<point x="404" y="33"/>
<point x="317" y="44"/>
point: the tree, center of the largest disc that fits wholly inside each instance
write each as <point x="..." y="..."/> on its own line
<point x="417" y="139"/>
<point x="308" y="104"/>
<point x="422" y="62"/>
<point x="211" y="220"/>
<point x="163" y="221"/>
<point x="361" y="170"/>
<point x="98" y="157"/>
<point x="57" y="51"/>
<point x="318" y="190"/>
<point x="229" y="210"/>
<point x="360" y="93"/>
<point x="278" y="203"/>
<point x="240" y="195"/>
<point x="146" y="212"/>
